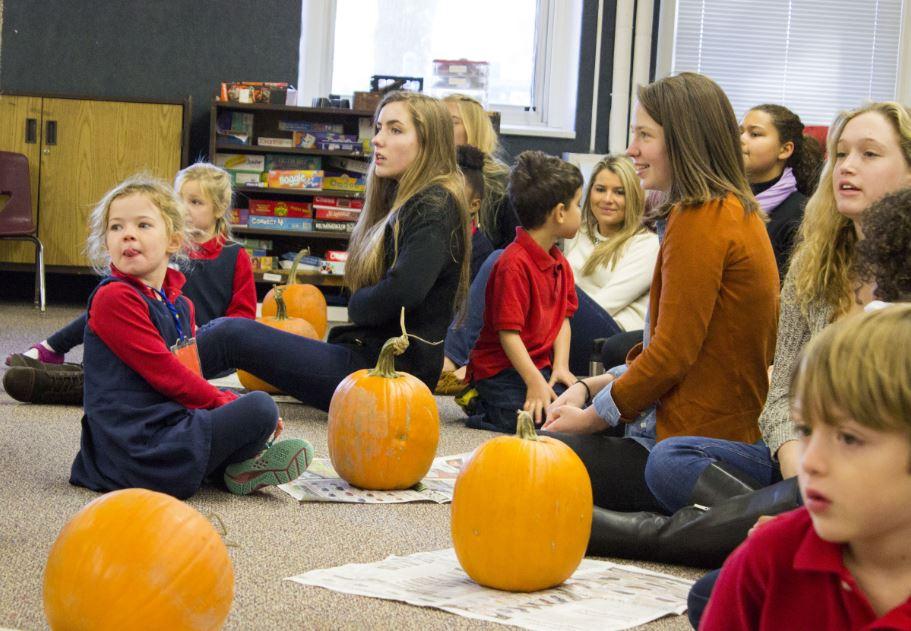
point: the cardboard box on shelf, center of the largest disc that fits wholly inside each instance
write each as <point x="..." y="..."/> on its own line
<point x="283" y="162"/>
<point x="312" y="139"/>
<point x="332" y="226"/>
<point x="280" y="208"/>
<point x="292" y="125"/>
<point x="266" y="141"/>
<point x="295" y="179"/>
<point x="349" y="164"/>
<point x="344" y="182"/>
<point x="245" y="178"/>
<point x="298" y="224"/>
<point x="255" y="92"/>
<point x="238" y="217"/>
<point x="240" y="161"/>
<point x="336" y="255"/>
<point x="337" y="202"/>
<point x="336" y="214"/>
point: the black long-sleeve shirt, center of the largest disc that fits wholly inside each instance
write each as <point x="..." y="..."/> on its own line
<point x="424" y="279"/>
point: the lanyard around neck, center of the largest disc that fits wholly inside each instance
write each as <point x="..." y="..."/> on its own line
<point x="174" y="314"/>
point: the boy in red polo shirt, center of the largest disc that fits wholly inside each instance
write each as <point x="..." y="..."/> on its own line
<point x="522" y="352"/>
<point x="843" y="561"/>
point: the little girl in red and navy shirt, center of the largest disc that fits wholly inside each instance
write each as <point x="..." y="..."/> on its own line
<point x="151" y="420"/>
<point x="219" y="283"/>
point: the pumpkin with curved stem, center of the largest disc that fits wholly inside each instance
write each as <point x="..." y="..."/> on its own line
<point x="302" y="300"/>
<point x="281" y="321"/>
<point x="138" y="558"/>
<point x="384" y="425"/>
<point x="522" y="511"/>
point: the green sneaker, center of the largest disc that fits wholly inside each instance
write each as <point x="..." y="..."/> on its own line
<point x="282" y="462"/>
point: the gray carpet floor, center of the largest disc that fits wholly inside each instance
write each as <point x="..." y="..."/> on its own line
<point x="275" y="536"/>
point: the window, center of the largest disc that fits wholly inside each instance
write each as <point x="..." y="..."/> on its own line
<point x="815" y="57"/>
<point x="532" y="47"/>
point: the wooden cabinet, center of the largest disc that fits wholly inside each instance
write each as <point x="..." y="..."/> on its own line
<point x="80" y="149"/>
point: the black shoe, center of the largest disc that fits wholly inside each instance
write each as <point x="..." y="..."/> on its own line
<point x="718" y="482"/>
<point x="24" y="361"/>
<point x="692" y="536"/>
<point x="31" y="385"/>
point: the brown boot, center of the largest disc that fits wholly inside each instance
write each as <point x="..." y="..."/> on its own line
<point x="24" y="361"/>
<point x="55" y="387"/>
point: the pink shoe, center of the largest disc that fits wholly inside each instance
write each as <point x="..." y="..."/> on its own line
<point x="44" y="356"/>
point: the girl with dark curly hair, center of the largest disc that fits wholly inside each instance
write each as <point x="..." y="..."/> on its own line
<point x="884" y="254"/>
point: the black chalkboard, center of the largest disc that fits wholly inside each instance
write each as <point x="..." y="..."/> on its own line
<point x="148" y="49"/>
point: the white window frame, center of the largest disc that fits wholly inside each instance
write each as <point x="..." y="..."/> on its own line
<point x="667" y="25"/>
<point x="557" y="55"/>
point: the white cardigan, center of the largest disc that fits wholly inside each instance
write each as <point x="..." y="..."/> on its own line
<point x="622" y="291"/>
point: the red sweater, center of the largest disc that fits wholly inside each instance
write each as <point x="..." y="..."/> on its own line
<point x="121" y="319"/>
<point x="785" y="577"/>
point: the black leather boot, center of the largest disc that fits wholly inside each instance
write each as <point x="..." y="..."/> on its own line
<point x="718" y="482"/>
<point x="692" y="536"/>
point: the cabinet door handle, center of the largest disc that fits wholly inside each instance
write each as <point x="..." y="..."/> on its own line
<point x="50" y="138"/>
<point x="31" y="131"/>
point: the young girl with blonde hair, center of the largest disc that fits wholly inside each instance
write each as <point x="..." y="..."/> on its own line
<point x="219" y="282"/>
<point x="151" y="419"/>
<point x="408" y="250"/>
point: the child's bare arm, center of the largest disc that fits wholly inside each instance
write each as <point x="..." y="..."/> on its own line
<point x="539" y="393"/>
<point x="561" y="372"/>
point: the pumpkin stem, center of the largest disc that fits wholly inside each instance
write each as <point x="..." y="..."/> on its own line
<point x="292" y="278"/>
<point x="385" y="365"/>
<point x="280" y="306"/>
<point x="525" y="426"/>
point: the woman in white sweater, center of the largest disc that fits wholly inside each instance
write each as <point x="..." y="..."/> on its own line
<point x="613" y="258"/>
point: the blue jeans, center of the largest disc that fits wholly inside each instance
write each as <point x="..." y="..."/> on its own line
<point x="306" y="369"/>
<point x="675" y="464"/>
<point x="498" y="399"/>
<point x="588" y="324"/>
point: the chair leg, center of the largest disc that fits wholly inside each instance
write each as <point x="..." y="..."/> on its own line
<point x="42" y="293"/>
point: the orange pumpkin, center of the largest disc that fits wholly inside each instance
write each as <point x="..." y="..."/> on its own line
<point x="281" y="321"/>
<point x="138" y="558"/>
<point x="522" y="511"/>
<point x="302" y="301"/>
<point x="383" y="425"/>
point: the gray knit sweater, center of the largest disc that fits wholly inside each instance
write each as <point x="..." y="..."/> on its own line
<point x="794" y="331"/>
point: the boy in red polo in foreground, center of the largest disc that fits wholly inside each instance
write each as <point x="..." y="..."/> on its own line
<point x="843" y="561"/>
<point x="523" y="349"/>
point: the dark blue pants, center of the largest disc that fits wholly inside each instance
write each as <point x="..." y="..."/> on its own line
<point x="240" y="430"/>
<point x="306" y="369"/>
<point x="498" y="399"/>
<point x="699" y="596"/>
<point x="70" y="336"/>
<point x="588" y="324"/>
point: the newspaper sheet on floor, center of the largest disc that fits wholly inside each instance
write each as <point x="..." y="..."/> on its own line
<point x="320" y="483"/>
<point x="599" y="595"/>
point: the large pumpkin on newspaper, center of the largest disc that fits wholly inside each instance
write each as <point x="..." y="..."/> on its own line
<point x="521" y="511"/>
<point x="282" y="321"/>
<point x="136" y="558"/>
<point x="302" y="300"/>
<point x="384" y="425"/>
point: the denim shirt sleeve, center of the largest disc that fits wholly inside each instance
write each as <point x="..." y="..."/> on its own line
<point x="605" y="406"/>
